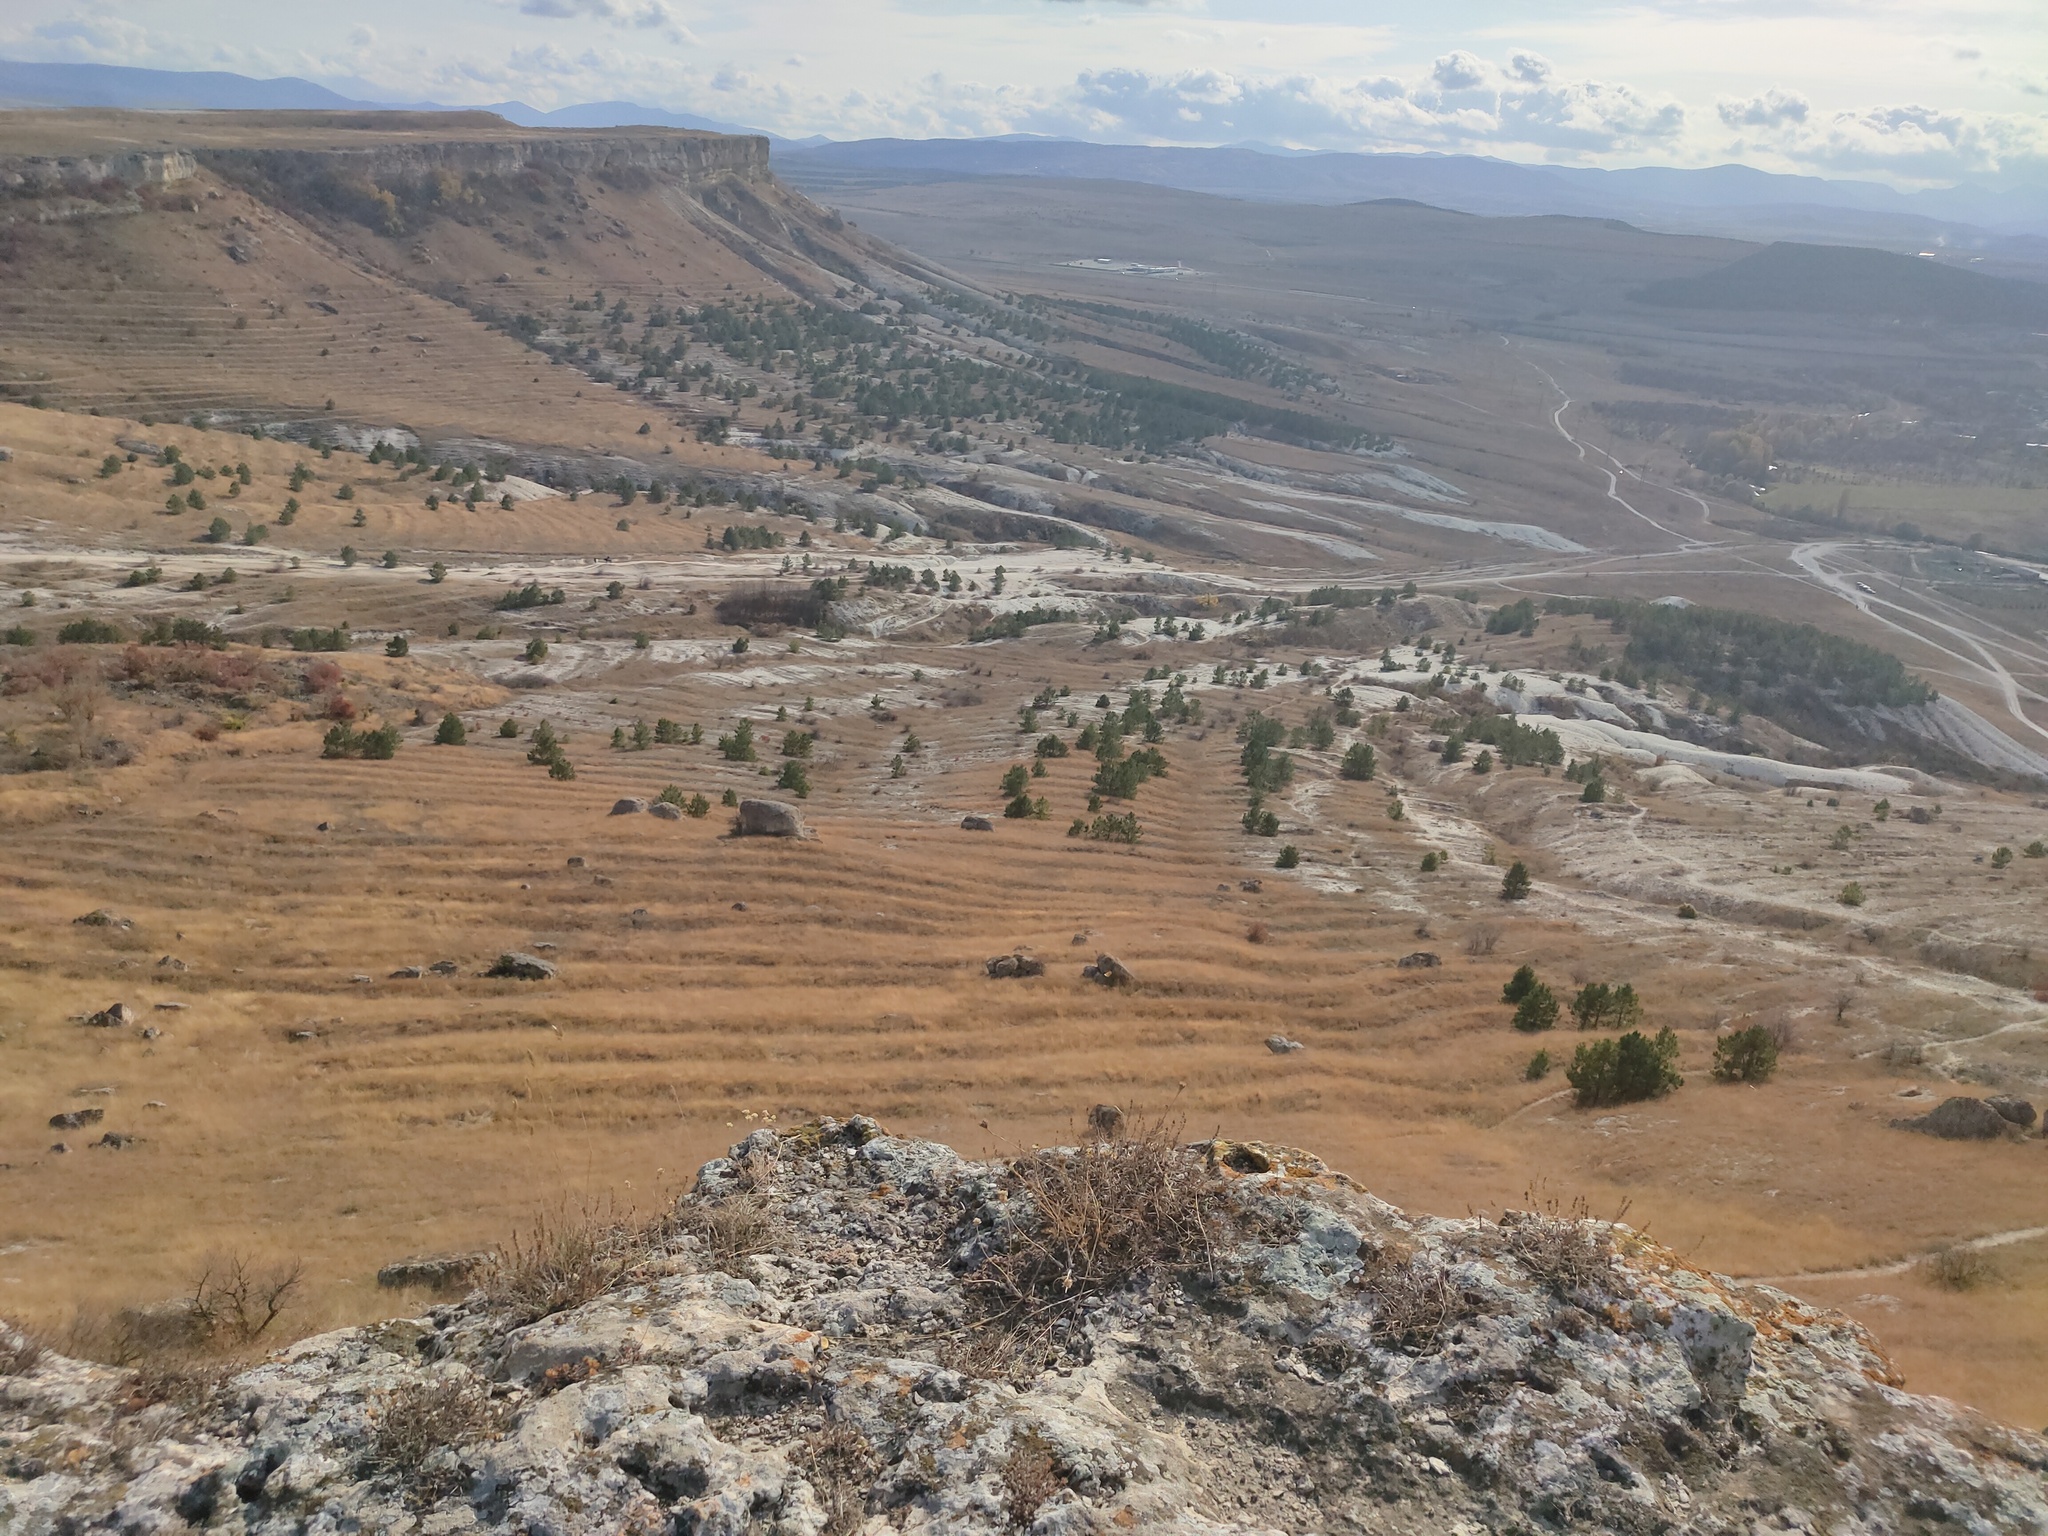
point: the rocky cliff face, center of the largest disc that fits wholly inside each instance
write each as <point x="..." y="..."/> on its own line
<point x="814" y="1345"/>
<point x="677" y="158"/>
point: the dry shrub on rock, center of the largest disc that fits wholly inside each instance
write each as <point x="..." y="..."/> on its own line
<point x="1413" y="1300"/>
<point x="1101" y="1215"/>
<point x="1030" y="1476"/>
<point x="841" y="1466"/>
<point x="564" y="1260"/>
<point x="731" y="1232"/>
<point x="1564" y="1249"/>
<point x="420" y="1418"/>
<point x="19" y="1352"/>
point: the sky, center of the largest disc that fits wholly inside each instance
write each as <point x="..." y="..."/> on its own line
<point x="1905" y="91"/>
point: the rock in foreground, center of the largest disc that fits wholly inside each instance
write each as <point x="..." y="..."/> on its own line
<point x="843" y="1332"/>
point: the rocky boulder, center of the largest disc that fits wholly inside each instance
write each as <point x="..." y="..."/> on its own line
<point x="2017" y="1111"/>
<point x="662" y="810"/>
<point x="1109" y="971"/>
<point x="1006" y="966"/>
<point x="433" y="1271"/>
<point x="628" y="807"/>
<point x="1962" y="1119"/>
<point x="973" y="823"/>
<point x="114" y="1016"/>
<point x="1421" y="960"/>
<point x="522" y="967"/>
<point x="1276" y="1351"/>
<point x="768" y="818"/>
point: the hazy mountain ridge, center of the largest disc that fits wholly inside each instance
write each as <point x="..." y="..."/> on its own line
<point x="1728" y="199"/>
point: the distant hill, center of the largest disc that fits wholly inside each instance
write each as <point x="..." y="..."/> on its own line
<point x="160" y="90"/>
<point x="1846" y="280"/>
<point x="164" y="90"/>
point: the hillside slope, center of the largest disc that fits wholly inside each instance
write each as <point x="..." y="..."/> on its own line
<point x="305" y="266"/>
<point x="1845" y="280"/>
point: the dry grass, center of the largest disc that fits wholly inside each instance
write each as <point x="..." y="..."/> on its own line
<point x="564" y="1259"/>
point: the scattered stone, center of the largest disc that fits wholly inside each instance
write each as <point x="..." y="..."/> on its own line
<point x="59" y="1147"/>
<point x="359" y="980"/>
<point x="1280" y="1045"/>
<point x="739" y="906"/>
<point x="662" y="810"/>
<point x="1003" y="966"/>
<point x="170" y="963"/>
<point x="594" y="880"/>
<point x="640" y="917"/>
<point x="444" y="967"/>
<point x="324" y="827"/>
<point x="407" y="973"/>
<point x="1080" y="938"/>
<point x="151" y="1032"/>
<point x="1961" y="1119"/>
<point x="769" y="818"/>
<point x="1109" y="972"/>
<point x="1106" y="1121"/>
<point x="115" y="1016"/>
<point x="115" y="1140"/>
<point x="301" y="1036"/>
<point x="156" y="1104"/>
<point x="433" y="1271"/>
<point x="2017" y="1111"/>
<point x="547" y="946"/>
<point x="172" y="1007"/>
<point x="972" y="823"/>
<point x="522" y="967"/>
<point x="100" y="917"/>
<point x="76" y="1119"/>
<point x="576" y="861"/>
<point x="1421" y="960"/>
<point x="1254" y="886"/>
<point x="628" y="807"/>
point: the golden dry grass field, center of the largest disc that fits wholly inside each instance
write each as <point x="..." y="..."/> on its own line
<point x="302" y="1102"/>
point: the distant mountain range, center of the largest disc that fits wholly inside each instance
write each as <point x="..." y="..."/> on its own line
<point x="1726" y="199"/>
<point x="166" y="90"/>
<point x="1998" y="227"/>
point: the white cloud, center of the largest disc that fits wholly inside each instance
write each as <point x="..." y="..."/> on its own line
<point x="1467" y="102"/>
<point x="635" y="13"/>
<point x="1775" y="108"/>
